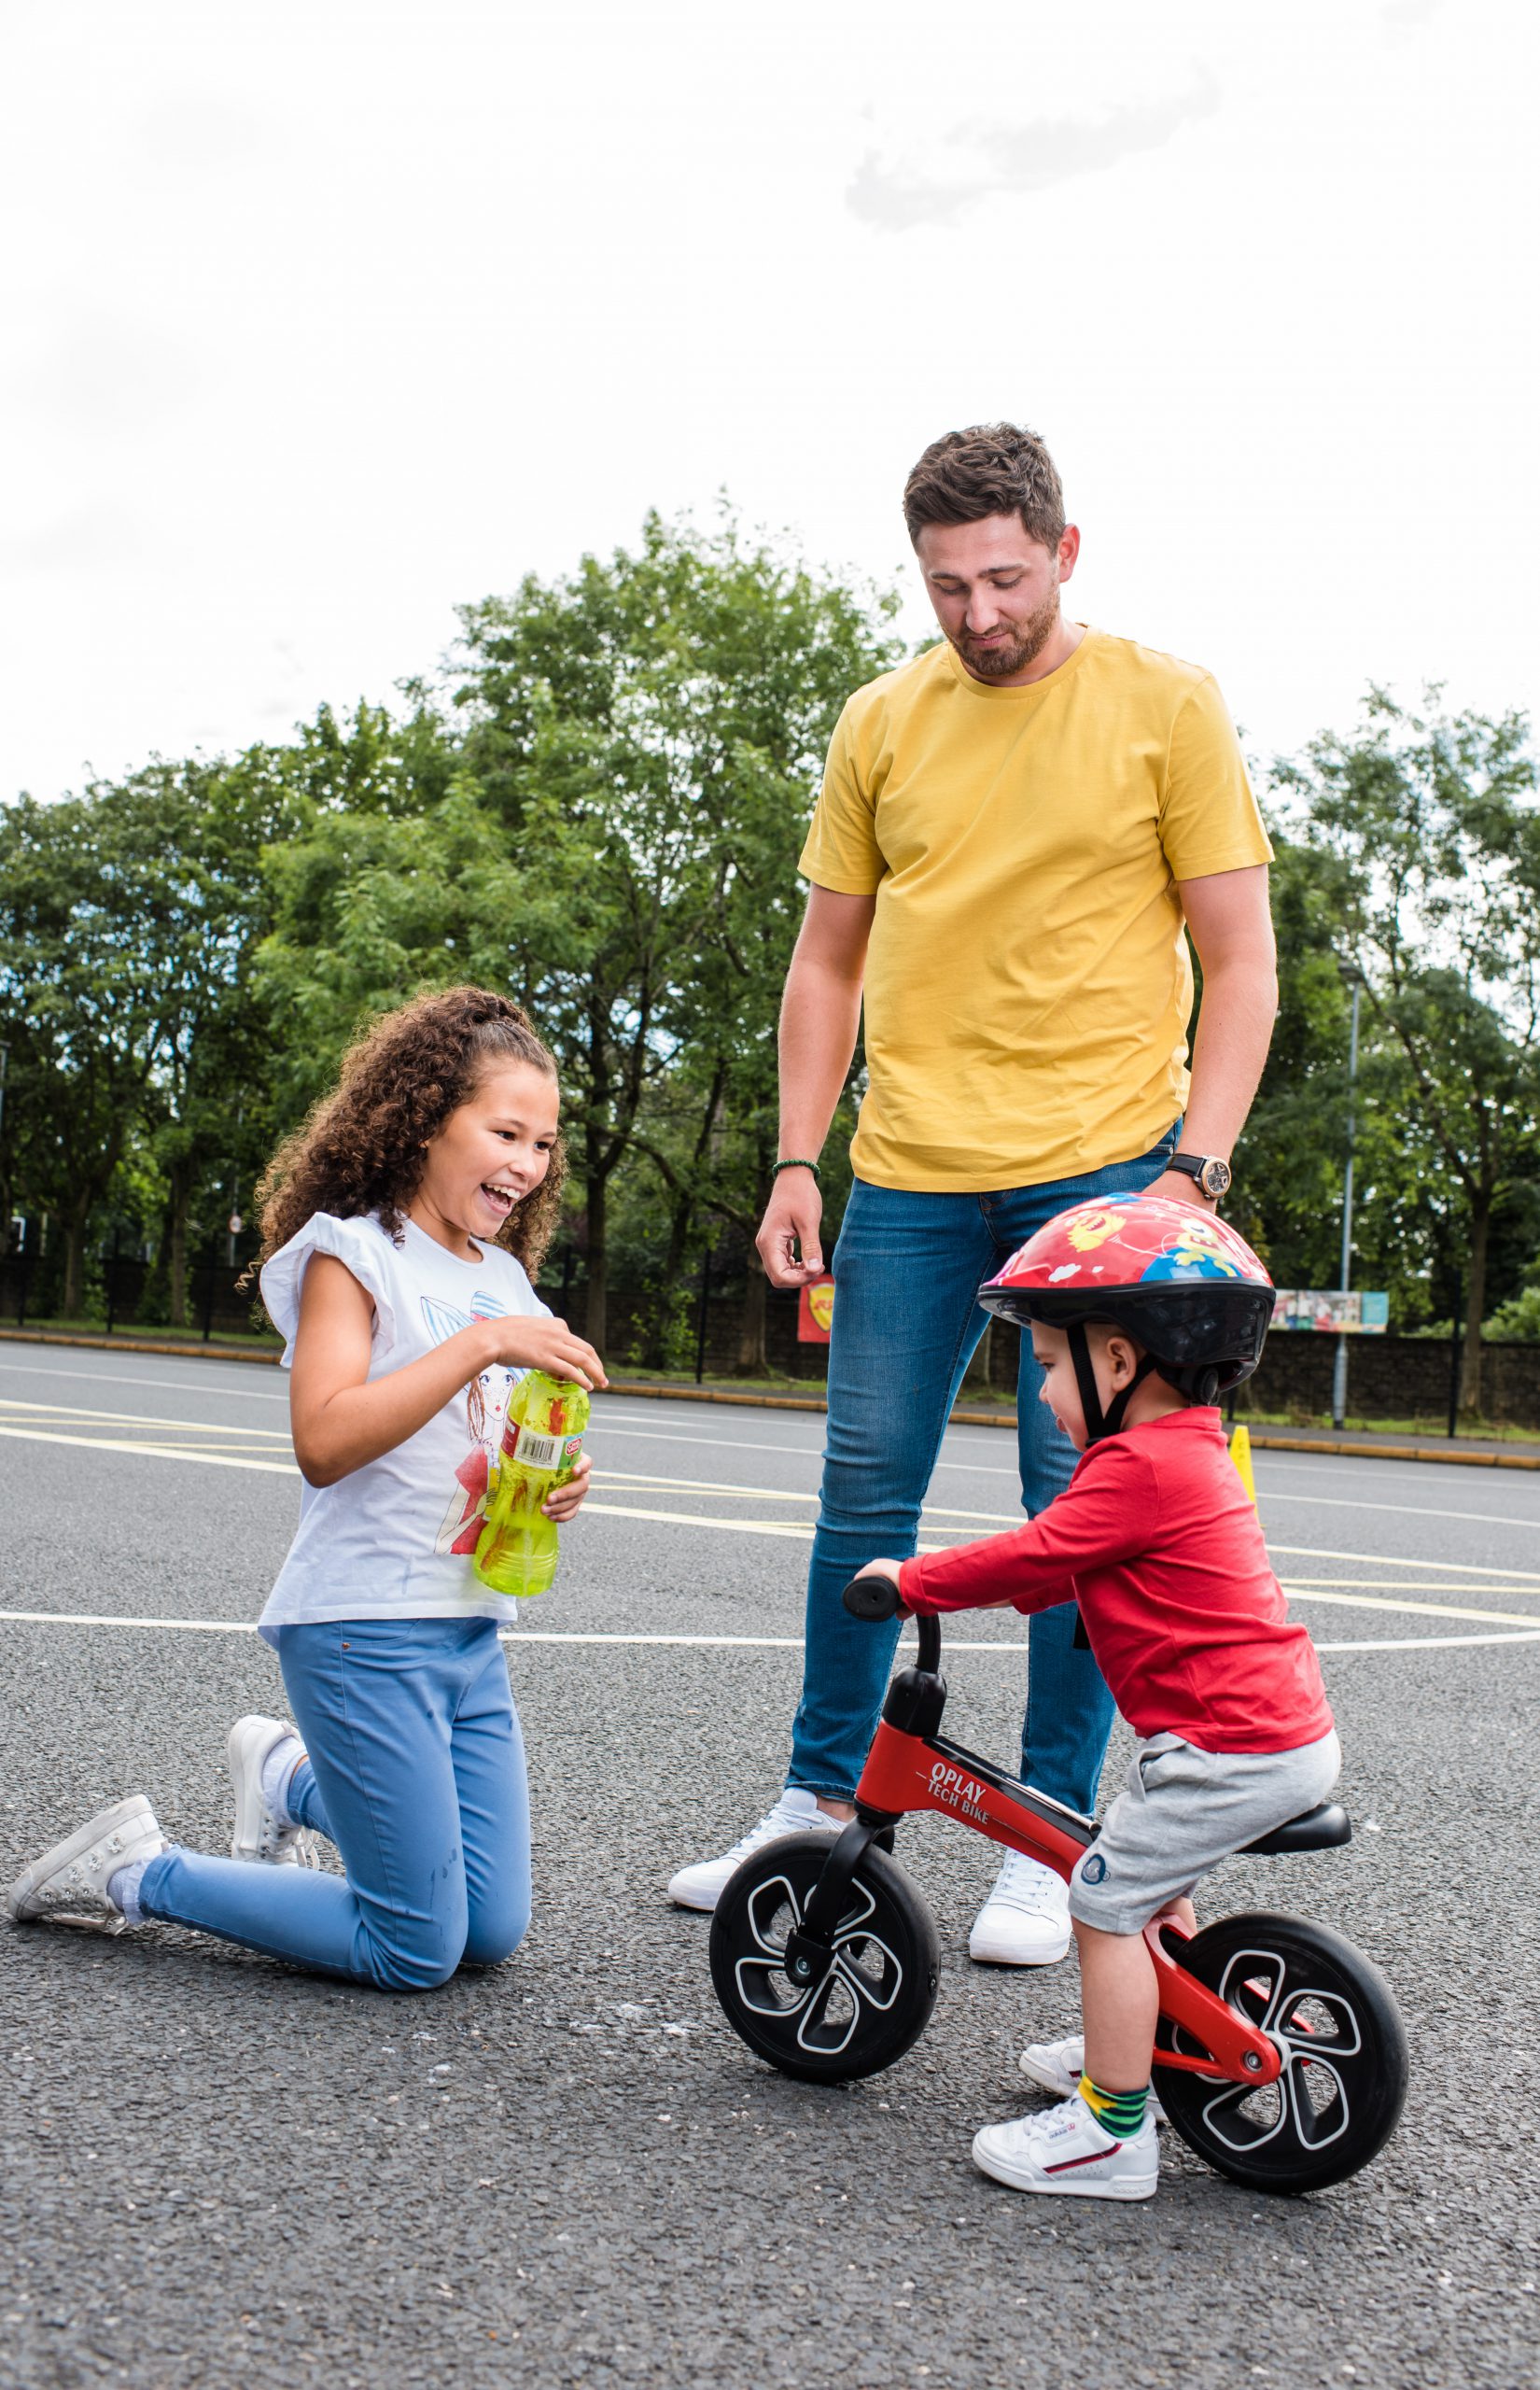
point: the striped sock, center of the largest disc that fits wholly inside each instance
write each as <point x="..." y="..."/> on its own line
<point x="1120" y="2113"/>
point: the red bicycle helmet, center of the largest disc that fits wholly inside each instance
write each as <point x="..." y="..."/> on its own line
<point x="1181" y="1282"/>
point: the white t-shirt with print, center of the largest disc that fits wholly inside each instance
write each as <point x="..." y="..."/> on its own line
<point x="394" y="1538"/>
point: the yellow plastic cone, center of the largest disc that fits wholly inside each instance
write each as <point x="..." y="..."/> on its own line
<point x="1241" y="1453"/>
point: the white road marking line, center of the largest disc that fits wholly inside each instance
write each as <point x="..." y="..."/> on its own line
<point x="666" y="1436"/>
<point x="633" y="1482"/>
<point x="1296" y="1589"/>
<point x="649" y="1481"/>
<point x="1428" y="1642"/>
<point x="699" y="1642"/>
<point x="605" y="1418"/>
<point x="157" y="1452"/>
<point x="1398" y="1509"/>
<point x="686" y="1519"/>
<point x="122" y="1377"/>
<point x="1353" y="1472"/>
<point x="1402" y="1560"/>
<point x="629" y="1424"/>
<point x="42" y="1413"/>
<point x="1307" y="1589"/>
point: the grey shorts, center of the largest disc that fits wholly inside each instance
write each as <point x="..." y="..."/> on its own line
<point x="1180" y="1812"/>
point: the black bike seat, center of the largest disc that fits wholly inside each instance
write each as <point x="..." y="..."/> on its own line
<point x="1324" y="1828"/>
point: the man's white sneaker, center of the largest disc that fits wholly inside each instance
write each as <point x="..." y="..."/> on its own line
<point x="259" y="1834"/>
<point x="1066" y="2151"/>
<point x="1058" y="2067"/>
<point x="1025" y="1922"/>
<point x="68" y="1885"/>
<point x="796" y="1812"/>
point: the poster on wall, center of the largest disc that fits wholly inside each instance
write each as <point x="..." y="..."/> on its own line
<point x="1328" y="1312"/>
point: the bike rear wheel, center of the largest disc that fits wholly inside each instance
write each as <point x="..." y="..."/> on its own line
<point x="1335" y="2019"/>
<point x="872" y="2002"/>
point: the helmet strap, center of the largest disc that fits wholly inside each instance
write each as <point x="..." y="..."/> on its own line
<point x="1100" y="1422"/>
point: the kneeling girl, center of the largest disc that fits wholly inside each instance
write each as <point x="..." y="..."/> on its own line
<point x="402" y="1227"/>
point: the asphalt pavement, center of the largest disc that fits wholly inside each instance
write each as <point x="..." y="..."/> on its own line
<point x="567" y="2168"/>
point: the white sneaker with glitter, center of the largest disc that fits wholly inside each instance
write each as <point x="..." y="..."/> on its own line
<point x="68" y="1885"/>
<point x="796" y="1812"/>
<point x="1025" y="1922"/>
<point x="259" y="1833"/>
<point x="1058" y="2067"/>
<point x="1065" y="2152"/>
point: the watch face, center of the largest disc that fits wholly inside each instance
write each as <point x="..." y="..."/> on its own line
<point x="1214" y="1178"/>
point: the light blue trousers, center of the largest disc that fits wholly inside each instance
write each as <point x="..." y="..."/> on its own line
<point x="415" y="1771"/>
<point x="907" y="1270"/>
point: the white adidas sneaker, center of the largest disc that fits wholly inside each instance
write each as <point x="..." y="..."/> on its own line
<point x="257" y="1832"/>
<point x="1065" y="2152"/>
<point x="796" y="1812"/>
<point x="1025" y="1922"/>
<point x="1058" y="2067"/>
<point x="68" y="1885"/>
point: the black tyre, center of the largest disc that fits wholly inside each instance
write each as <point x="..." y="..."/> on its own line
<point x="874" y="2000"/>
<point x="1344" y="2079"/>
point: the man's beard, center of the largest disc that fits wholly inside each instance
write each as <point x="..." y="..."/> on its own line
<point x="1014" y="654"/>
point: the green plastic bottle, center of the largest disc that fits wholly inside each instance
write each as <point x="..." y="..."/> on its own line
<point x="542" y="1437"/>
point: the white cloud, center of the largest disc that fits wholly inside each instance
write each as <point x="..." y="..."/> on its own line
<point x="318" y="321"/>
<point x="978" y="162"/>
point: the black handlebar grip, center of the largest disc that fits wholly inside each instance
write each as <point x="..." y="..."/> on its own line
<point x="872" y="1598"/>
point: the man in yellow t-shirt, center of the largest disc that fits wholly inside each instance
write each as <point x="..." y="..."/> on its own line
<point x="1016" y="833"/>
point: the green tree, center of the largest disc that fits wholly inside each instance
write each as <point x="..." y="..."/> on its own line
<point x="650" y="730"/>
<point x="1427" y="830"/>
<point x="128" y="920"/>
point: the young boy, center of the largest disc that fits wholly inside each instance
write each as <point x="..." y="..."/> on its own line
<point x="1141" y="1311"/>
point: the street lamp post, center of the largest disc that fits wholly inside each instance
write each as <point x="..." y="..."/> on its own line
<point x="1339" y="1374"/>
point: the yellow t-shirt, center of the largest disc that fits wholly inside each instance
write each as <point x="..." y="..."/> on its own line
<point x="1027" y="982"/>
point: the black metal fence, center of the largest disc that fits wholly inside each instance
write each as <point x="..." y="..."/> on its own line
<point x="122" y="1291"/>
<point x="701" y="1330"/>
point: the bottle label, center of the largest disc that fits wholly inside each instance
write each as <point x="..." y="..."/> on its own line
<point x="537" y="1452"/>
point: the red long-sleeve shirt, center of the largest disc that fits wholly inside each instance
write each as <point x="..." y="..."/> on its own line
<point x="1156" y="1540"/>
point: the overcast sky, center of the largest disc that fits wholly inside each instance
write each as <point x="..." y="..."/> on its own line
<point x="319" y="319"/>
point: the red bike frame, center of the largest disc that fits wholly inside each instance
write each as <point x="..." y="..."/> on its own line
<point x="909" y="1771"/>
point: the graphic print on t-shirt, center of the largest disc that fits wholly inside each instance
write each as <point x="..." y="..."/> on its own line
<point x="462" y="1521"/>
<point x="446" y="1320"/>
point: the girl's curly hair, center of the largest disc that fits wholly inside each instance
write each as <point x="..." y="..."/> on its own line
<point x="362" y="1148"/>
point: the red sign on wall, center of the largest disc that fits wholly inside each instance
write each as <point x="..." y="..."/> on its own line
<point x="815" y="1311"/>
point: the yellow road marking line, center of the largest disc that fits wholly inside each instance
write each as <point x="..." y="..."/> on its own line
<point x="1307" y="1590"/>
<point x="1298" y="1590"/>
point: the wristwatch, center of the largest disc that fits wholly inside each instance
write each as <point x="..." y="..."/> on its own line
<point x="1211" y="1175"/>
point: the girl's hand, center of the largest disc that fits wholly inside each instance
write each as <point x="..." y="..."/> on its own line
<point x="562" y="1501"/>
<point x="546" y="1345"/>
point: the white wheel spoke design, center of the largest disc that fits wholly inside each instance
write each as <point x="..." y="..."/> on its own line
<point x="1240" y="2115"/>
<point x="860" y="1984"/>
<point x="849" y="1983"/>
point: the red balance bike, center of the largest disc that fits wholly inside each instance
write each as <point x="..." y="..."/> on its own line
<point x="1280" y="2056"/>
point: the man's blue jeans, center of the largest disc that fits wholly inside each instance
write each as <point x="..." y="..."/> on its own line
<point x="907" y="1271"/>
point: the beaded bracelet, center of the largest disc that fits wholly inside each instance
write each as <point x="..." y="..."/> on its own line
<point x="798" y="1164"/>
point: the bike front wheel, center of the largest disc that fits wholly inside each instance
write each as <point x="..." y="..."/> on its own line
<point x="872" y="2002"/>
<point x="1334" y="2021"/>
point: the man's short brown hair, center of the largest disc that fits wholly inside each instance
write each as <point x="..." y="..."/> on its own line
<point x="992" y="469"/>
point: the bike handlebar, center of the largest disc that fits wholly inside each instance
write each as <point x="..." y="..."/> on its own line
<point x="872" y="1598"/>
<point x="876" y="1598"/>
